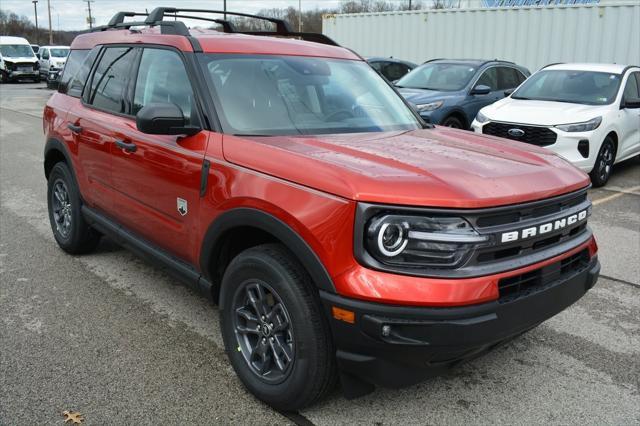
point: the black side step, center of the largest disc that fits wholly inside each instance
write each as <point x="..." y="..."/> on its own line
<point x="179" y="269"/>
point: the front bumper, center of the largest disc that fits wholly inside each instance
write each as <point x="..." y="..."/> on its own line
<point x="394" y="346"/>
<point x="567" y="144"/>
<point x="22" y="74"/>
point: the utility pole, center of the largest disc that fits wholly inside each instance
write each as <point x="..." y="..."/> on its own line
<point x="225" y="9"/>
<point x="410" y="8"/>
<point x="50" y="30"/>
<point x="35" y="10"/>
<point x="299" y="16"/>
<point x="89" y="10"/>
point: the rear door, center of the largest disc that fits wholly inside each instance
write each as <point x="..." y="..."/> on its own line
<point x="98" y="121"/>
<point x="157" y="186"/>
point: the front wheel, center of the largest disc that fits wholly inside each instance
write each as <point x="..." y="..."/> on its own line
<point x="604" y="163"/>
<point x="453" y="122"/>
<point x="273" y="328"/>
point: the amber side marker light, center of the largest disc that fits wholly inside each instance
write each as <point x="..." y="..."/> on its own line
<point x="343" y="315"/>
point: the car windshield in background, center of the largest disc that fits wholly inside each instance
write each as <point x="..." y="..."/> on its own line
<point x="16" y="51"/>
<point x="577" y="87"/>
<point x="289" y="95"/>
<point x="438" y="76"/>
<point x="59" y="53"/>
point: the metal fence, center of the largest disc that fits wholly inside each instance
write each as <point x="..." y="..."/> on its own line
<point x="530" y="36"/>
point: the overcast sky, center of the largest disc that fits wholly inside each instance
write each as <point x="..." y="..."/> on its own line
<point x="71" y="14"/>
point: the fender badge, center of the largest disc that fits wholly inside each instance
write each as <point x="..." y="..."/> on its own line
<point x="182" y="207"/>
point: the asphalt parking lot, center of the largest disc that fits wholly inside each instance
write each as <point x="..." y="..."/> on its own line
<point x="122" y="343"/>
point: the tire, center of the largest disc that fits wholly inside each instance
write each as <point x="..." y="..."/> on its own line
<point x="453" y="122"/>
<point x="70" y="230"/>
<point x="604" y="163"/>
<point x="294" y="325"/>
<point x="3" y="77"/>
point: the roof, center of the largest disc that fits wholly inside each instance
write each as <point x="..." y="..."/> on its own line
<point x="475" y="62"/>
<point x="13" y="40"/>
<point x="215" y="42"/>
<point x="54" y="47"/>
<point x="611" y="68"/>
<point x="390" y="59"/>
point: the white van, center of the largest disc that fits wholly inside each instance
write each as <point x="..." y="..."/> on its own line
<point x="52" y="58"/>
<point x="17" y="60"/>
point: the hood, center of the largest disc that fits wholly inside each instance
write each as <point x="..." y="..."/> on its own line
<point x="544" y="113"/>
<point x="31" y="59"/>
<point x="422" y="96"/>
<point x="432" y="167"/>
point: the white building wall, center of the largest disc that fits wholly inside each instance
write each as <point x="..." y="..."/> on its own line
<point x="530" y="36"/>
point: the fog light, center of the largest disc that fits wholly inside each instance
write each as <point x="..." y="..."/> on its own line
<point x="583" y="148"/>
<point x="386" y="330"/>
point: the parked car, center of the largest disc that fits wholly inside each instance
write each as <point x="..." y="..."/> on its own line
<point x="450" y="92"/>
<point x="52" y="58"/>
<point x="17" y="60"/>
<point x="587" y="113"/>
<point x="341" y="235"/>
<point x="393" y="69"/>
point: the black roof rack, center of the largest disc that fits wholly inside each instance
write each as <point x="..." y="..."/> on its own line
<point x="486" y="61"/>
<point x="157" y="18"/>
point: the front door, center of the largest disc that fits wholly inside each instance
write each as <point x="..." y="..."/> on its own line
<point x="157" y="177"/>
<point x="630" y="118"/>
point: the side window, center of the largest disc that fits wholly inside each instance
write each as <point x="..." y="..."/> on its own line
<point x="45" y="54"/>
<point x="507" y="78"/>
<point x="163" y="78"/>
<point x="521" y="77"/>
<point x="395" y="71"/>
<point x="489" y="78"/>
<point x="376" y="66"/>
<point x="76" y="70"/>
<point x="631" y="89"/>
<point x="109" y="81"/>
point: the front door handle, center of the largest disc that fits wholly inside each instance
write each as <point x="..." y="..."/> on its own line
<point x="75" y="129"/>
<point x="129" y="147"/>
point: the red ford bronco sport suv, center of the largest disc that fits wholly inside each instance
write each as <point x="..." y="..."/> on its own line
<point x="342" y="237"/>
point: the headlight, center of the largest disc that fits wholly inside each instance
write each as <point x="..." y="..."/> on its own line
<point x="481" y="118"/>
<point x="581" y="127"/>
<point x="430" y="106"/>
<point x="421" y="241"/>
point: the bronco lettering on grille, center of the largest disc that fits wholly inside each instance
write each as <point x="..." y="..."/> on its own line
<point x="544" y="228"/>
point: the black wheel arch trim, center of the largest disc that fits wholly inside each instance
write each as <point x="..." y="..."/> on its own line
<point x="54" y="144"/>
<point x="250" y="217"/>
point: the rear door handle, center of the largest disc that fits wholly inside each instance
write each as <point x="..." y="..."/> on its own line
<point x="129" y="147"/>
<point x="75" y="129"/>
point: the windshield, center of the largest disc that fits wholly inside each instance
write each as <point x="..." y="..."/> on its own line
<point x="59" y="53"/>
<point x="16" y="51"/>
<point x="288" y="95"/>
<point x="576" y="87"/>
<point x="438" y="76"/>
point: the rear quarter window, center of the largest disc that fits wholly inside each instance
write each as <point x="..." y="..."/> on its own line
<point x="76" y="70"/>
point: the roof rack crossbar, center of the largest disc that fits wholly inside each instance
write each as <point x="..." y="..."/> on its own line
<point x="157" y="18"/>
<point x="157" y="15"/>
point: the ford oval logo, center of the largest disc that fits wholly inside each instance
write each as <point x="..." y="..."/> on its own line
<point x="516" y="133"/>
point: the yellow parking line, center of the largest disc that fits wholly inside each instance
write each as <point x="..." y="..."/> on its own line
<point x="616" y="195"/>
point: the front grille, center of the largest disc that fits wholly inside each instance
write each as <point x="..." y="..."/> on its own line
<point x="535" y="135"/>
<point x="523" y="285"/>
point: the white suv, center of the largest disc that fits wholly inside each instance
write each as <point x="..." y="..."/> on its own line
<point x="588" y="113"/>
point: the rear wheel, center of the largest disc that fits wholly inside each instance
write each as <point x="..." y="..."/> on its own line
<point x="69" y="228"/>
<point x="453" y="121"/>
<point x="3" y="77"/>
<point x="604" y="163"/>
<point x="273" y="328"/>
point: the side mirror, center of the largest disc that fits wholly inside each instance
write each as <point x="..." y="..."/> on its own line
<point x="631" y="103"/>
<point x="164" y="119"/>
<point x="38" y="55"/>
<point x="481" y="89"/>
<point x="508" y="92"/>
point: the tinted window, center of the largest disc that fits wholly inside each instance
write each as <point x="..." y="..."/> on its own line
<point x="162" y="78"/>
<point x="110" y="79"/>
<point x="631" y="89"/>
<point x="489" y="78"/>
<point x="581" y="87"/>
<point x="508" y="78"/>
<point x="376" y="66"/>
<point x="76" y="71"/>
<point x="289" y="95"/>
<point x="45" y="54"/>
<point x="394" y="71"/>
<point x="438" y="76"/>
